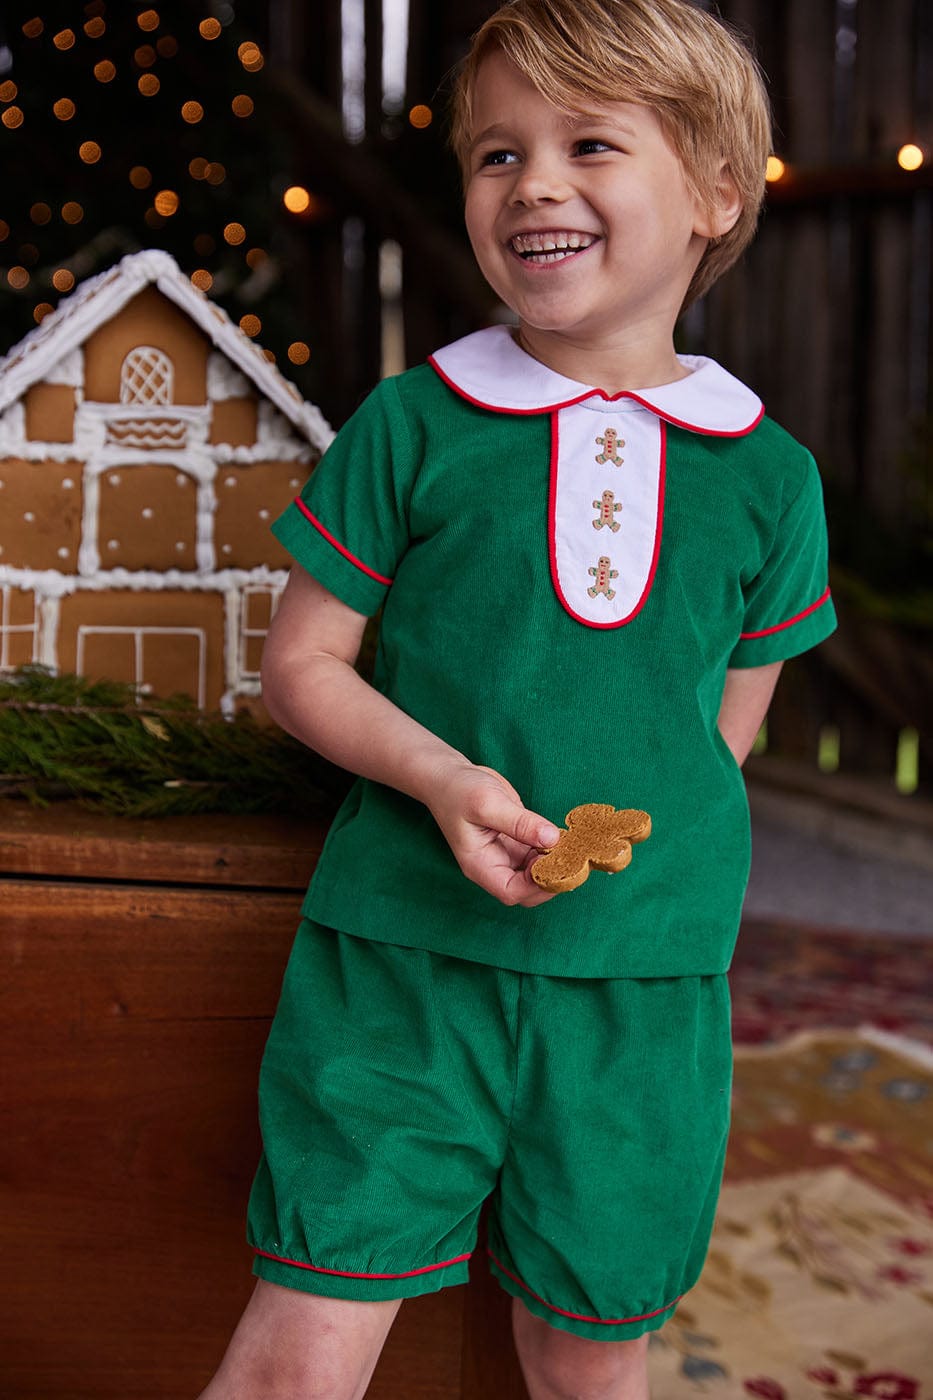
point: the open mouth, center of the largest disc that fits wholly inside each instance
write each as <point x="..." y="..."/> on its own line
<point x="550" y="247"/>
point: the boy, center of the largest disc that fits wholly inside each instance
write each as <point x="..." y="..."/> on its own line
<point x="593" y="556"/>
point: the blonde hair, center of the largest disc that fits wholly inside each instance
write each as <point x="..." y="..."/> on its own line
<point x="696" y="75"/>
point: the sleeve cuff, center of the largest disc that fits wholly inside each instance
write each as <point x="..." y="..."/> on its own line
<point x="786" y="639"/>
<point x="327" y="559"/>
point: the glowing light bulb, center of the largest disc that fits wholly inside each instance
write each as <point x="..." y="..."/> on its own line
<point x="202" y="279"/>
<point x="234" y="234"/>
<point x="12" y="117"/>
<point x="774" y="170"/>
<point x="250" y="325"/>
<point x="209" y="29"/>
<point x="299" y="353"/>
<point x="63" y="280"/>
<point x="90" y="152"/>
<point x="420" y="116"/>
<point x="296" y="199"/>
<point x="140" y="177"/>
<point x="148" y="20"/>
<point x="64" y="109"/>
<point x="64" y="39"/>
<point x="192" y="113"/>
<point x="166" y="203"/>
<point x="910" y="157"/>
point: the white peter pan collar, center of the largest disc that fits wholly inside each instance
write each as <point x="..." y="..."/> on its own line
<point x="489" y="369"/>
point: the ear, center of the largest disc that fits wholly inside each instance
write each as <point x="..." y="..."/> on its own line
<point x="725" y="209"/>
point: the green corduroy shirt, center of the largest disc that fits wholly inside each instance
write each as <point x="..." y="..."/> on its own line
<point x="584" y="663"/>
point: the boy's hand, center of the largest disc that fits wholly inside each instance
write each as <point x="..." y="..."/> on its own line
<point x="494" y="838"/>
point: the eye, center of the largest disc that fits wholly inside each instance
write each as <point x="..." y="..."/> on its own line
<point x="592" y="146"/>
<point x="497" y="157"/>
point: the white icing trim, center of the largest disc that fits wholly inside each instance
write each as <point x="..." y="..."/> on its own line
<point x="224" y="380"/>
<point x="88" y="551"/>
<point x="490" y="369"/>
<point x="49" y="583"/>
<point x="49" y="619"/>
<point x="68" y="370"/>
<point x="100" y="298"/>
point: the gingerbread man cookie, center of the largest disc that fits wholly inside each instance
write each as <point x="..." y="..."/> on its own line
<point x="602" y="574"/>
<point x="607" y="507"/>
<point x="598" y="837"/>
<point x="610" y="444"/>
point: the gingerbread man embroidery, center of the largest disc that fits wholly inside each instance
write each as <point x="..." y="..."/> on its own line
<point x="607" y="508"/>
<point x="610" y="445"/>
<point x="602" y="574"/>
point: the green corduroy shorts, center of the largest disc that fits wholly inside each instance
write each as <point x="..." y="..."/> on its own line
<point x="401" y="1088"/>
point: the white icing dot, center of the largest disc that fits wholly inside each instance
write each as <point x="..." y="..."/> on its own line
<point x="28" y="515"/>
<point x="228" y="549"/>
<point x="230" y="481"/>
<point x="263" y="515"/>
<point x="180" y="546"/>
<point x="147" y="513"/>
<point x="181" y="480"/>
<point x="114" y="478"/>
<point x="63" y="553"/>
<point x="67" y="484"/>
<point x="113" y="544"/>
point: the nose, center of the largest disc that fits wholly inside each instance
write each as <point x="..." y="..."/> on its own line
<point x="539" y="181"/>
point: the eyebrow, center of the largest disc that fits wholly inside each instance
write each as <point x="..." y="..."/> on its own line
<point x="497" y="132"/>
<point x="500" y="132"/>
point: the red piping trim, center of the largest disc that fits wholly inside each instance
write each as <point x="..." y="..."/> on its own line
<point x="581" y="1317"/>
<point x="769" y="631"/>
<point x="600" y="394"/>
<point x="552" y="533"/>
<point x="343" y="1273"/>
<point x="342" y="549"/>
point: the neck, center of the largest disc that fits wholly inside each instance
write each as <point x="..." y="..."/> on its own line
<point x="627" y="360"/>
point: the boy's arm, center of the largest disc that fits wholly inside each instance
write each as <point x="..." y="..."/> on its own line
<point x="745" y="700"/>
<point x="311" y="689"/>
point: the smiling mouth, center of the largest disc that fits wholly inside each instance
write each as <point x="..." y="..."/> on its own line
<point x="550" y="247"/>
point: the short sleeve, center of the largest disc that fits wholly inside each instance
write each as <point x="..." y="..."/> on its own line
<point x="788" y="607"/>
<point x="349" y="526"/>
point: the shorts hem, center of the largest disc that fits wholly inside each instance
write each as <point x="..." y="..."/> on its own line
<point x="359" y="1287"/>
<point x="598" y="1329"/>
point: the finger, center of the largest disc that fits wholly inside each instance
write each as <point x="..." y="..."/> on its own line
<point x="511" y="819"/>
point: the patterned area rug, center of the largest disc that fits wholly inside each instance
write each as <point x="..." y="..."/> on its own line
<point x="787" y="978"/>
<point x="819" y="1282"/>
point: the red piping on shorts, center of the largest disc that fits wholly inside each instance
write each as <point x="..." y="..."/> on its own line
<point x="768" y="631"/>
<point x="581" y="1317"/>
<point x="342" y="549"/>
<point x="343" y="1273"/>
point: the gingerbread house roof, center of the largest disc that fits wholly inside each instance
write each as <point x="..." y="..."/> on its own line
<point x="100" y="298"/>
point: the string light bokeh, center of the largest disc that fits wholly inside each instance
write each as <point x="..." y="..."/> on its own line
<point x="131" y="125"/>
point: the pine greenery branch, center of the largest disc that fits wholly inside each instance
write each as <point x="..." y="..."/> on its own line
<point x="102" y="744"/>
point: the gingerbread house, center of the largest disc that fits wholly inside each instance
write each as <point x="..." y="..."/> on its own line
<point x="145" y="445"/>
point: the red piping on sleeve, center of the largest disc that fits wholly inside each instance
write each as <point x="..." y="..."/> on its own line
<point x="581" y="1317"/>
<point x="769" y="631"/>
<point x="343" y="1273"/>
<point x="342" y="549"/>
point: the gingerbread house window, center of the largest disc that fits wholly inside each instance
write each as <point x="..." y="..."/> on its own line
<point x="147" y="376"/>
<point x="144" y="657"/>
<point x="259" y="603"/>
<point x="19" y="628"/>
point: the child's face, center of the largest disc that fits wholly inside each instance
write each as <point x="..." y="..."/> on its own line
<point x="583" y="225"/>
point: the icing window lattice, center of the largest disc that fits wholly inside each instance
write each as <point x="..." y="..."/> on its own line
<point x="147" y="376"/>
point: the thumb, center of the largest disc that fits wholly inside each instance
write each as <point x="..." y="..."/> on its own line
<point x="526" y="827"/>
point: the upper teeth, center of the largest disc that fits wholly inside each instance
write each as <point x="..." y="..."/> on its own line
<point x="550" y="242"/>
